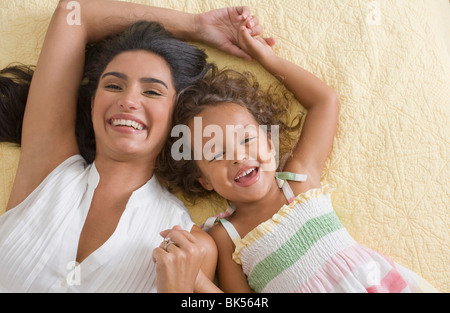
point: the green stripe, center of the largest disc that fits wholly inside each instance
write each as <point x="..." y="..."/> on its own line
<point x="291" y="251"/>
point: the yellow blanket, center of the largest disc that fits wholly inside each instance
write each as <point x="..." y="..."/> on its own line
<point x="390" y="63"/>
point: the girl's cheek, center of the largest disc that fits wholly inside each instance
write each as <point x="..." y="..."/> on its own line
<point x="267" y="159"/>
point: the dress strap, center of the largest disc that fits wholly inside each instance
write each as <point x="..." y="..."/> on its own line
<point x="283" y="177"/>
<point x="291" y="176"/>
<point x="232" y="232"/>
<point x="209" y="223"/>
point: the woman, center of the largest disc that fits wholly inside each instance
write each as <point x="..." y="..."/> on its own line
<point x="70" y="226"/>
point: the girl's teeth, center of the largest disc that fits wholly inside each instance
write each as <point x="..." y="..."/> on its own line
<point x="245" y="173"/>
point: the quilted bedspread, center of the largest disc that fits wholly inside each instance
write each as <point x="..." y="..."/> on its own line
<point x="390" y="63"/>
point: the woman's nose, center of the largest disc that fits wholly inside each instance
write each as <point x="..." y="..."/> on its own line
<point x="130" y="100"/>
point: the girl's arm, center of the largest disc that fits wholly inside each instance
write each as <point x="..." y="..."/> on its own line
<point x="229" y="273"/>
<point x="48" y="133"/>
<point x="321" y="101"/>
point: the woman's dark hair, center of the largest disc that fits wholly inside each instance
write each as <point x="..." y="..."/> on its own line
<point x="187" y="64"/>
<point x="268" y="107"/>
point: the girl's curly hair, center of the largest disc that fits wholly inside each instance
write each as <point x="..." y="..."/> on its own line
<point x="270" y="107"/>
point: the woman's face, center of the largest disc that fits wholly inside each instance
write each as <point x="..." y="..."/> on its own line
<point x="133" y="106"/>
<point x="238" y="159"/>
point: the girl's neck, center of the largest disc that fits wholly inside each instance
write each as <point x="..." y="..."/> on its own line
<point x="263" y="208"/>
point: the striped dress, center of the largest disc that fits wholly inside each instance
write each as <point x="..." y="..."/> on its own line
<point x="305" y="248"/>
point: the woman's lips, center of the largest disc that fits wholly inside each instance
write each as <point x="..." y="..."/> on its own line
<point x="126" y="124"/>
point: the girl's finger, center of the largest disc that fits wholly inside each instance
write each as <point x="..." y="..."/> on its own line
<point x="244" y="12"/>
<point x="253" y="26"/>
<point x="270" y="41"/>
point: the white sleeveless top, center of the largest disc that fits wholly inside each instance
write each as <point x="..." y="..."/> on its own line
<point x="39" y="237"/>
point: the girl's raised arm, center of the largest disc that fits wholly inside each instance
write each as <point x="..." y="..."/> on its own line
<point x="320" y="100"/>
<point x="48" y="133"/>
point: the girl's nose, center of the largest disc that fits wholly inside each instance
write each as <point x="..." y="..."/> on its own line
<point x="240" y="156"/>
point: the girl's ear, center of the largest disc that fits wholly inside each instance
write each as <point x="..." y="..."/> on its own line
<point x="205" y="183"/>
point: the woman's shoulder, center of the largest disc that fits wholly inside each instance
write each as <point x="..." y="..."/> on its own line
<point x="68" y="180"/>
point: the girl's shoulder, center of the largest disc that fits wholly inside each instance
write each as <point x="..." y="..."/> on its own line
<point x="222" y="238"/>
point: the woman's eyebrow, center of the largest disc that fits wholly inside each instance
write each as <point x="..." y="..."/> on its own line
<point x="152" y="80"/>
<point x="116" y="74"/>
<point x="142" y="80"/>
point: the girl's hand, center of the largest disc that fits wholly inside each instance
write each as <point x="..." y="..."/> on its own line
<point x="178" y="263"/>
<point x="257" y="47"/>
<point x="220" y="28"/>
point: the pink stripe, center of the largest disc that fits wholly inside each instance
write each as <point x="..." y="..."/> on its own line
<point x="339" y="271"/>
<point x="392" y="282"/>
<point x="335" y="270"/>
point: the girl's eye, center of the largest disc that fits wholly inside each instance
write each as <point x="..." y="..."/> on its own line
<point x="247" y="140"/>
<point x="218" y="156"/>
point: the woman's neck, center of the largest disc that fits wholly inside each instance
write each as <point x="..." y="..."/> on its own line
<point x="126" y="176"/>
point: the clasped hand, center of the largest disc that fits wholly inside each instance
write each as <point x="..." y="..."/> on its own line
<point x="220" y="28"/>
<point x="178" y="260"/>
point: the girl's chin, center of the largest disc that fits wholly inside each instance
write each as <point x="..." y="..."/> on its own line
<point x="255" y="192"/>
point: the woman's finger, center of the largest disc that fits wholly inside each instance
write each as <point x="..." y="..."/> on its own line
<point x="164" y="233"/>
<point x="180" y="237"/>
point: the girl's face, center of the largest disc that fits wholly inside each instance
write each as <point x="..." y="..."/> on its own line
<point x="237" y="158"/>
<point x="133" y="105"/>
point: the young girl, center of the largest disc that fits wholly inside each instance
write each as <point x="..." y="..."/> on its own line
<point x="281" y="234"/>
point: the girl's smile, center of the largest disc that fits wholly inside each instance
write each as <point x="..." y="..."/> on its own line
<point x="247" y="176"/>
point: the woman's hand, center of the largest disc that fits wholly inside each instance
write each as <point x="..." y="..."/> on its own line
<point x="220" y="29"/>
<point x="178" y="260"/>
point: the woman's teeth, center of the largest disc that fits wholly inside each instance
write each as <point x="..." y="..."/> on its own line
<point x="129" y="123"/>
<point x="245" y="173"/>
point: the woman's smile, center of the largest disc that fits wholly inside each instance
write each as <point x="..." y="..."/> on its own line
<point x="127" y="124"/>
